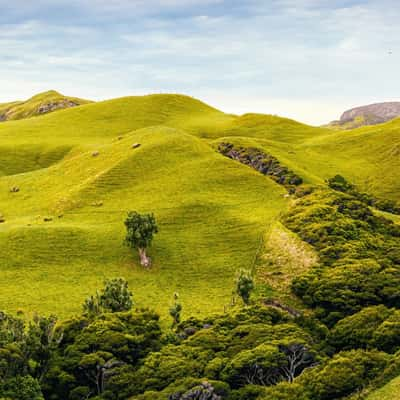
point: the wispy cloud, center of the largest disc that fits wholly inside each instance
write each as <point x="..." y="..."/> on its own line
<point x="308" y="59"/>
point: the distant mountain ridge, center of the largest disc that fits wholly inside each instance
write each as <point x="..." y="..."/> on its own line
<point x="39" y="104"/>
<point x="372" y="114"/>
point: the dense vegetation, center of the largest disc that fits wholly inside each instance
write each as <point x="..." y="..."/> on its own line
<point x="114" y="352"/>
<point x="340" y="184"/>
<point x="359" y="254"/>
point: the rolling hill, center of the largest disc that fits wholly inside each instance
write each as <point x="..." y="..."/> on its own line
<point x="77" y="170"/>
<point x="40" y="104"/>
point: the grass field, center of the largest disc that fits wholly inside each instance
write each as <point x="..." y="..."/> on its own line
<point x="211" y="213"/>
<point x="77" y="168"/>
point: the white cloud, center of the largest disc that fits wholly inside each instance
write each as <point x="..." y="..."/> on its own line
<point x="305" y="59"/>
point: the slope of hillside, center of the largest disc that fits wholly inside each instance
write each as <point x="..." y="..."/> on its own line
<point x="368" y="157"/>
<point x="77" y="169"/>
<point x="100" y="122"/>
<point x="316" y="153"/>
<point x="211" y="214"/>
<point x="39" y="104"/>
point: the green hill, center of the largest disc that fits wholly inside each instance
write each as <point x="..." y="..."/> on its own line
<point x="368" y="157"/>
<point x="42" y="103"/>
<point x="211" y="213"/>
<point x="77" y="168"/>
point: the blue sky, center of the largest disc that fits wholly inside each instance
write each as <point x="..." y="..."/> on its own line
<point x="305" y="59"/>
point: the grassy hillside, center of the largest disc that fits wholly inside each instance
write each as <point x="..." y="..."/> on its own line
<point x="368" y="157"/>
<point x="40" y="104"/>
<point x="97" y="123"/>
<point x="212" y="211"/>
<point x="211" y="214"/>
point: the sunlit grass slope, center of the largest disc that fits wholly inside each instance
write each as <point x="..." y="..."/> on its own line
<point x="211" y="214"/>
<point x="368" y="157"/>
<point x="77" y="168"/>
<point x="97" y="123"/>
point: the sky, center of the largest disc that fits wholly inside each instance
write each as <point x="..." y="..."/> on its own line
<point x="304" y="59"/>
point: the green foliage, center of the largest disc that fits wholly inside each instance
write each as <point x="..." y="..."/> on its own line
<point x="114" y="297"/>
<point x="339" y="183"/>
<point x="343" y="374"/>
<point x="248" y="353"/>
<point x="189" y="387"/>
<point x="11" y="329"/>
<point x="42" y="338"/>
<point x="376" y="327"/>
<point x="386" y="384"/>
<point x="140" y="229"/>
<point x="175" y="311"/>
<point x="21" y="388"/>
<point x="98" y="355"/>
<point x="259" y="366"/>
<point x="358" y="253"/>
<point x="244" y="285"/>
<point x="250" y="344"/>
<point x="26" y="349"/>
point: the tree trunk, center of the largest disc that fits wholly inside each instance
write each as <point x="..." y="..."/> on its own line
<point x="144" y="260"/>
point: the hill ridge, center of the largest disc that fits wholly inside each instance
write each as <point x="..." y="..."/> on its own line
<point x="39" y="104"/>
<point x="371" y="114"/>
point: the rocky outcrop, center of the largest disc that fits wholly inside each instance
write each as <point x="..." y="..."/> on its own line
<point x="263" y="163"/>
<point x="42" y="103"/>
<point x="368" y="115"/>
<point x="56" y="105"/>
<point x="204" y="391"/>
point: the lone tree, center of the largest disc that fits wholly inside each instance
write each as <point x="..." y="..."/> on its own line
<point x="140" y="231"/>
<point x="244" y="285"/>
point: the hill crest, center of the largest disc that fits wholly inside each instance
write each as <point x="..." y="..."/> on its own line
<point x="39" y="104"/>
